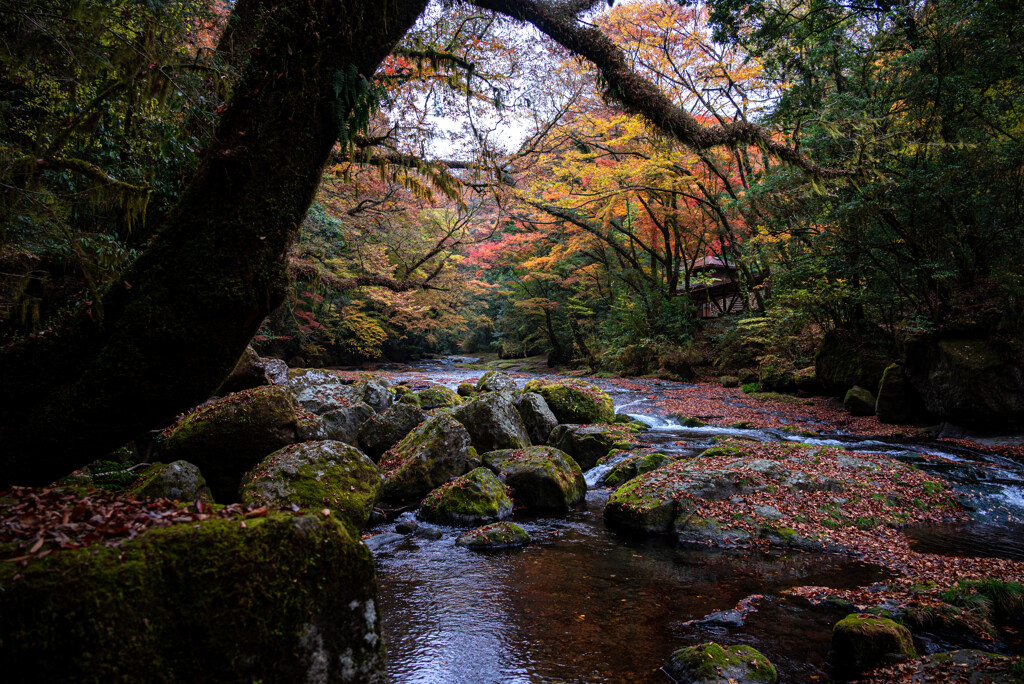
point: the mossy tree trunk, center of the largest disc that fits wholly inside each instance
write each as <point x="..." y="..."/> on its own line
<point x="165" y="338"/>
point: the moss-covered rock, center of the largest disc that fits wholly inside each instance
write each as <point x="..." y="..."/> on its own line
<point x="495" y="381"/>
<point x="586" y="444"/>
<point x="466" y="389"/>
<point x="475" y="498"/>
<point x="316" y="475"/>
<point x="438" y="397"/>
<point x="493" y="422"/>
<point x="862" y="641"/>
<point x="631" y="466"/>
<point x="729" y="381"/>
<point x="574" y="401"/>
<point x="711" y="663"/>
<point x="897" y="401"/>
<point x="776" y="374"/>
<point x="806" y="380"/>
<point x="376" y="393"/>
<point x="277" y="599"/>
<point x="541" y="478"/>
<point x="499" y="535"/>
<point x="226" y="438"/>
<point x="248" y="373"/>
<point x="435" y="452"/>
<point x="180" y="480"/>
<point x="382" y="431"/>
<point x="537" y="417"/>
<point x="859" y="402"/>
<point x="844" y="359"/>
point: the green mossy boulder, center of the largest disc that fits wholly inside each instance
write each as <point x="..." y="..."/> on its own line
<point x="844" y="359"/>
<point x="541" y="477"/>
<point x="466" y="389"/>
<point x="226" y="438"/>
<point x="248" y="373"/>
<point x="897" y="401"/>
<point x="475" y="498"/>
<point x="776" y="374"/>
<point x="806" y="380"/>
<point x="495" y="381"/>
<point x="859" y="402"/>
<point x="435" y="452"/>
<point x="537" y="417"/>
<point x="587" y="444"/>
<point x="499" y="535"/>
<point x="493" y="422"/>
<point x="729" y="381"/>
<point x="862" y="641"/>
<point x="574" y="401"/>
<point x="632" y="466"/>
<point x="277" y="599"/>
<point x="711" y="663"/>
<point x="438" y="397"/>
<point x="317" y="475"/>
<point x="382" y="431"/>
<point x="376" y="393"/>
<point x="180" y="481"/>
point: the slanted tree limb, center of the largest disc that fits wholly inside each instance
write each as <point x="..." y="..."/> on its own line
<point x="636" y="94"/>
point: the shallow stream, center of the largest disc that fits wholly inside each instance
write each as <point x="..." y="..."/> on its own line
<point x="583" y="604"/>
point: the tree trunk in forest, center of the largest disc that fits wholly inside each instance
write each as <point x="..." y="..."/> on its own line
<point x="184" y="312"/>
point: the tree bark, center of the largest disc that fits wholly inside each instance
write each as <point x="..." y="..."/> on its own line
<point x="184" y="312"/>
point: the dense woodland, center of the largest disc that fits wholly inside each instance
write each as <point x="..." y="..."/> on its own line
<point x="401" y="178"/>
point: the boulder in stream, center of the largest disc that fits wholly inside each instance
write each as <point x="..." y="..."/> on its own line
<point x="473" y="499"/>
<point x="632" y="466"/>
<point x="328" y="474"/>
<point x="574" y="401"/>
<point x="499" y="535"/>
<point x="541" y="478"/>
<point x="859" y="401"/>
<point x="320" y="391"/>
<point x="384" y="430"/>
<point x="279" y="598"/>
<point x="435" y="452"/>
<point x="226" y="438"/>
<point x="711" y="663"/>
<point x="537" y="417"/>
<point x="493" y="422"/>
<point x="587" y="444"/>
<point x="862" y="641"/>
<point x="438" y="397"/>
<point x="495" y="381"/>
<point x="343" y="424"/>
<point x="179" y="480"/>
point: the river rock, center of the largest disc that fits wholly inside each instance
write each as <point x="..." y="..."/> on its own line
<point x="317" y="475"/>
<point x="226" y="438"/>
<point x="435" y="452"/>
<point x="495" y="381"/>
<point x="466" y="389"/>
<point x="342" y="425"/>
<point x="632" y="466"/>
<point x="473" y="499"/>
<point x="493" y="422"/>
<point x="964" y="665"/>
<point x="863" y="641"/>
<point x="897" y="401"/>
<point x="587" y="444"/>
<point x="806" y="380"/>
<point x="711" y="663"/>
<point x="967" y="380"/>
<point x="541" y="478"/>
<point x="320" y="391"/>
<point x="537" y="417"/>
<point x="574" y="401"/>
<point x="438" y="397"/>
<point x="249" y="372"/>
<point x="776" y="374"/>
<point x="844" y="359"/>
<point x="180" y="480"/>
<point x="384" y="430"/>
<point x="859" y="401"/>
<point x="281" y="598"/>
<point x="377" y="394"/>
<point x="499" y="535"/>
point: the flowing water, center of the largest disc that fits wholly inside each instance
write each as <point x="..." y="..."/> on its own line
<point x="583" y="604"/>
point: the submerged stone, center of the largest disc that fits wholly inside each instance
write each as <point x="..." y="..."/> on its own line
<point x="499" y="535"/>
<point x="282" y="598"/>
<point x="472" y="499"/>
<point x="541" y="478"/>
<point x="326" y="474"/>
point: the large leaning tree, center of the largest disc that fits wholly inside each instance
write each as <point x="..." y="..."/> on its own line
<point x="175" y="323"/>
